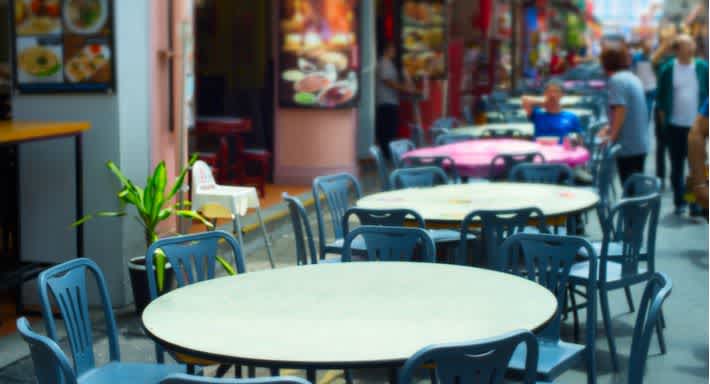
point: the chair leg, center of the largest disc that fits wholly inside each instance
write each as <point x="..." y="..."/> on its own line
<point x="661" y="340"/>
<point x="662" y="319"/>
<point x="575" y="315"/>
<point x="222" y="370"/>
<point x="348" y="377"/>
<point x="629" y="299"/>
<point x="251" y="371"/>
<point x="238" y="371"/>
<point x="274" y="371"/>
<point x="394" y="377"/>
<point x="604" y="301"/>
<point x="311" y="375"/>
<point x="267" y="242"/>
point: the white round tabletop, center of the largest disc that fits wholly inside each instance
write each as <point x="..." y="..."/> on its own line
<point x="360" y="314"/>
<point x="566" y="101"/>
<point x="525" y="129"/>
<point x="451" y="203"/>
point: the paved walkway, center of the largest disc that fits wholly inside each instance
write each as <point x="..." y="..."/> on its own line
<point x="682" y="252"/>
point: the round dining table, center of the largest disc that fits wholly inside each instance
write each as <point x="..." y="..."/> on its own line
<point x="447" y="205"/>
<point x="473" y="158"/>
<point x="566" y="101"/>
<point x="343" y="315"/>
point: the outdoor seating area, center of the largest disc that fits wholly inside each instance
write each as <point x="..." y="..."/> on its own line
<point x="354" y="192"/>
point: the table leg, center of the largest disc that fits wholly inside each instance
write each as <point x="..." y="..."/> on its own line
<point x="79" y="174"/>
<point x="238" y="229"/>
<point x="266" y="237"/>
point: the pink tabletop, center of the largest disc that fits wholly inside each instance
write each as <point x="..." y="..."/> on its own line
<point x="473" y="158"/>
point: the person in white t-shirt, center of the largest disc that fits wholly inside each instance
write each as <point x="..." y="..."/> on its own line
<point x="682" y="87"/>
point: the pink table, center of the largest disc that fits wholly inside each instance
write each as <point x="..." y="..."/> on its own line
<point x="473" y="158"/>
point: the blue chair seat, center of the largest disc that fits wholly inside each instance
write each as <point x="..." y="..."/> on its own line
<point x="130" y="373"/>
<point x="554" y="358"/>
<point x="613" y="271"/>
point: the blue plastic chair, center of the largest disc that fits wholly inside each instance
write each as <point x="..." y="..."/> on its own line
<point x="382" y="170"/>
<point x="451" y="138"/>
<point x="638" y="185"/>
<point x="446" y="163"/>
<point x="398" y="148"/>
<point x="50" y="363"/>
<point x="416" y="135"/>
<point x="392" y="244"/>
<point x="193" y="259"/>
<point x="629" y="222"/>
<point x="188" y="379"/>
<point x="480" y="361"/>
<point x="559" y="174"/>
<point x="492" y="228"/>
<point x="418" y="177"/>
<point x="339" y="190"/>
<point x="302" y="231"/>
<point x="503" y="163"/>
<point x="67" y="284"/>
<point x="548" y="260"/>
<point x="656" y="292"/>
<point x="604" y="180"/>
<point x="382" y="217"/>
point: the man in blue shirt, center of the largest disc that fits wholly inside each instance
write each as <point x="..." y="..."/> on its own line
<point x="547" y="115"/>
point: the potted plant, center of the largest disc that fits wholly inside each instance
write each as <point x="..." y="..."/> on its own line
<point x="153" y="205"/>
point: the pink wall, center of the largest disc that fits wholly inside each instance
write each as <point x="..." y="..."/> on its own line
<point x="310" y="143"/>
<point x="164" y="144"/>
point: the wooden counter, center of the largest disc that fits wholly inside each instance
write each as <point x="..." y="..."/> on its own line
<point x="19" y="131"/>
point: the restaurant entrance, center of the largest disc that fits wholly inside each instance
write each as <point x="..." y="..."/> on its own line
<point x="234" y="71"/>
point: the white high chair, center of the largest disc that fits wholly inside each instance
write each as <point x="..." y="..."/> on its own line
<point x="216" y="201"/>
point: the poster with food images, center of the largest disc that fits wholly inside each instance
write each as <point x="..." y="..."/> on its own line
<point x="423" y="38"/>
<point x="63" y="46"/>
<point x="319" y="59"/>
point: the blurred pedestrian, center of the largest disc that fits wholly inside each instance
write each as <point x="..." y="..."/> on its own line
<point x="697" y="146"/>
<point x="628" y="115"/>
<point x="547" y="115"/>
<point x="387" y="96"/>
<point x="643" y="68"/>
<point x="682" y="88"/>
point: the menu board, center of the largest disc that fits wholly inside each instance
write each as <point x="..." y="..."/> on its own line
<point x="423" y="38"/>
<point x="63" y="46"/>
<point x="319" y="57"/>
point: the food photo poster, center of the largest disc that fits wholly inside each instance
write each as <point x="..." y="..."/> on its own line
<point x="63" y="46"/>
<point x="319" y="53"/>
<point x="423" y="38"/>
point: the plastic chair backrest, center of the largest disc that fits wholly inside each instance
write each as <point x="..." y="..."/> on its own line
<point x="451" y="138"/>
<point x="201" y="175"/>
<point x="381" y="164"/>
<point x="435" y="132"/>
<point x="494" y="228"/>
<point x="632" y="222"/>
<point x="502" y="163"/>
<point x="181" y="378"/>
<point x="193" y="257"/>
<point x="50" y="363"/>
<point x="656" y="292"/>
<point x="385" y="217"/>
<point x="416" y="134"/>
<point x="339" y="190"/>
<point x="418" y="177"/>
<point x="392" y="244"/>
<point x="398" y="148"/>
<point x="547" y="260"/>
<point x="638" y="185"/>
<point x="542" y="173"/>
<point x="302" y="231"/>
<point x="605" y="179"/>
<point x="446" y="163"/>
<point x="445" y="122"/>
<point x="480" y="361"/>
<point x="67" y="283"/>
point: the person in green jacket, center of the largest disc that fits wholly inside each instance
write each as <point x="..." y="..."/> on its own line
<point x="682" y="88"/>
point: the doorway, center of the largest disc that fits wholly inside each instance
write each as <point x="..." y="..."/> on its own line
<point x="234" y="65"/>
